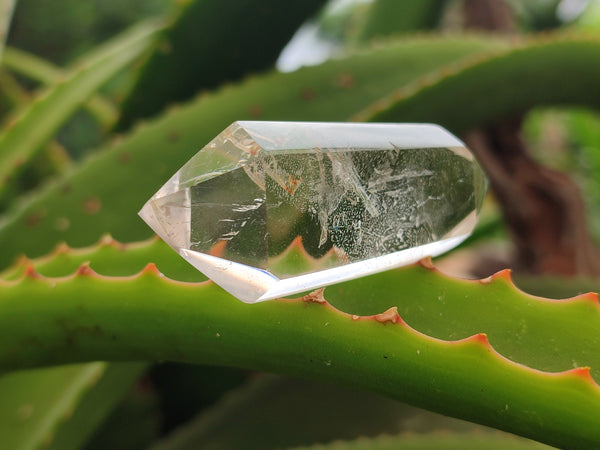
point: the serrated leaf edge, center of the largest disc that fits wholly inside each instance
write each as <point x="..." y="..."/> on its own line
<point x="390" y="317"/>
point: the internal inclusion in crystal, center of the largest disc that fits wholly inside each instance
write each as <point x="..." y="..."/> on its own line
<point x="361" y="197"/>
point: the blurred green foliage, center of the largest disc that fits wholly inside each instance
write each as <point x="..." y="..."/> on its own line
<point x="62" y="30"/>
<point x="214" y="64"/>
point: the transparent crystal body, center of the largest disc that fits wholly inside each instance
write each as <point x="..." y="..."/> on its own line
<point x="361" y="198"/>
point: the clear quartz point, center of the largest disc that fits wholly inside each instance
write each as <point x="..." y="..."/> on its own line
<point x="359" y="198"/>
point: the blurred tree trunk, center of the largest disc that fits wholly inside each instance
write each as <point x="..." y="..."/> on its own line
<point x="543" y="208"/>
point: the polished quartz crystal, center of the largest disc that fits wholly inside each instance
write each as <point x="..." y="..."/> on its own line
<point x="360" y="198"/>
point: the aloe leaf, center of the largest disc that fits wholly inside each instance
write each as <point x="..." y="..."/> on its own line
<point x="107" y="257"/>
<point x="200" y="51"/>
<point x="441" y="441"/>
<point x="280" y="412"/>
<point x="37" y="123"/>
<point x="54" y="158"/>
<point x="6" y="11"/>
<point x="38" y="69"/>
<point x="499" y="85"/>
<point x="134" y="423"/>
<point x="103" y="194"/>
<point x="450" y="311"/>
<point x="12" y="94"/>
<point x="426" y="309"/>
<point x="149" y="316"/>
<point x="60" y="407"/>
<point x="388" y="17"/>
<point x="556" y="286"/>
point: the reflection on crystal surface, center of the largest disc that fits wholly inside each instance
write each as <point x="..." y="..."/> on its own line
<point x="362" y="197"/>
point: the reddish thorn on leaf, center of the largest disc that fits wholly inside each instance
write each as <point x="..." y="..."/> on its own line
<point x="590" y="297"/>
<point x="151" y="269"/>
<point x="581" y="372"/>
<point x="315" y="296"/>
<point x="427" y="263"/>
<point x="502" y="274"/>
<point x="84" y="270"/>
<point x="107" y="240"/>
<point x="391" y="315"/>
<point x="480" y="338"/>
<point x="30" y="272"/>
<point x="62" y="248"/>
<point x="297" y="244"/>
<point x="218" y="249"/>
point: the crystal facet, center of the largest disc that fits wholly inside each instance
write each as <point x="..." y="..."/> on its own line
<point x="362" y="198"/>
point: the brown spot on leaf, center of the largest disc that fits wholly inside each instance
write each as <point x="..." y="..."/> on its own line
<point x="255" y="111"/>
<point x="65" y="189"/>
<point x="165" y="47"/>
<point x="34" y="218"/>
<point x="124" y="158"/>
<point x="346" y="80"/>
<point x="25" y="411"/>
<point x="308" y="94"/>
<point x="173" y="136"/>
<point x="62" y="224"/>
<point x="92" y="205"/>
<point x="19" y="161"/>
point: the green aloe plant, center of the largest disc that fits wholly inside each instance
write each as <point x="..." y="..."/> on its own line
<point x="84" y="287"/>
